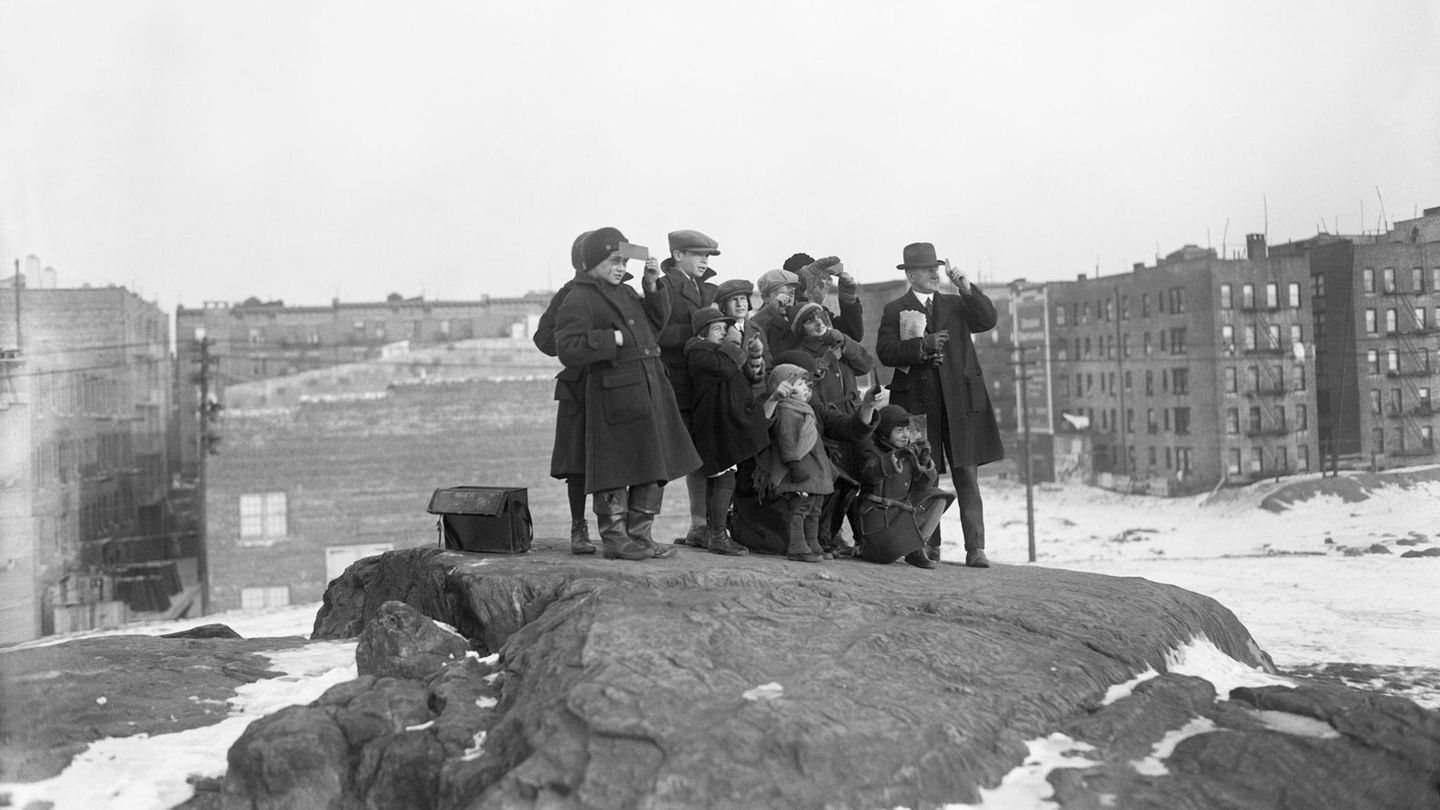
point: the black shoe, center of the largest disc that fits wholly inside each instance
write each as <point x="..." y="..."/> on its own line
<point x="580" y="538"/>
<point x="976" y="559"/>
<point x="720" y="543"/>
<point x="695" y="538"/>
<point x="805" y="557"/>
<point x="919" y="559"/>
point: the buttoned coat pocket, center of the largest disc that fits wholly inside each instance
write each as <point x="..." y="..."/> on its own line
<point x="627" y="397"/>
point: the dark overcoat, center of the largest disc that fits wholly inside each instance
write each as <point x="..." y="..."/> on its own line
<point x="633" y="431"/>
<point x="726" y="424"/>
<point x="685" y="294"/>
<point x="951" y="394"/>
<point x="567" y="456"/>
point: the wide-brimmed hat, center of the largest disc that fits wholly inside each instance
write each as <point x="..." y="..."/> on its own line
<point x="919" y="256"/>
<point x="704" y="316"/>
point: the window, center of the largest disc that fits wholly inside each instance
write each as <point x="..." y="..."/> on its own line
<point x="1247" y="296"/>
<point x="1374" y="400"/>
<point x="1145" y="304"/>
<point x="338" y="558"/>
<point x="1293" y="293"/>
<point x="1302" y="458"/>
<point x="1232" y="421"/>
<point x="1062" y="351"/>
<point x="1377" y="439"/>
<point x="1372" y="361"/>
<point x="1427" y="437"/>
<point x="1225" y="297"/>
<point x="1392" y="321"/>
<point x="1417" y="279"/>
<point x="1059" y="314"/>
<point x="1367" y="280"/>
<point x="1420" y="318"/>
<point x="1227" y="337"/>
<point x="1232" y="381"/>
<point x="1130" y="421"/>
<point x="1089" y="383"/>
<point x="262" y="515"/>
<point x="1280" y="418"/>
<point x="1165" y="416"/>
<point x="1150" y="383"/>
<point x="1129" y="386"/>
<point x="1151" y="448"/>
<point x="1234" y="465"/>
<point x="1151" y="426"/>
<point x="1250" y="340"/>
<point x="1257" y="461"/>
<point x="1255" y="419"/>
<point x="1272" y="295"/>
<point x="1182" y="459"/>
<point x="1387" y="278"/>
<point x="1435" y="278"/>
<point x="1177" y="299"/>
<point x="1102" y="383"/>
<point x="1317" y="283"/>
<point x="1180" y="381"/>
<point x="264" y="597"/>
<point x="1392" y="361"/>
<point x="1125" y="344"/>
<point x="1397" y="404"/>
<point x="1177" y="340"/>
<point x="1282" y="459"/>
<point x="1294" y="334"/>
<point x="1062" y="386"/>
<point x="1299" y="377"/>
<point x="1302" y="418"/>
<point x="254" y="335"/>
<point x="1422" y="397"/>
<point x="1371" y="326"/>
<point x="1273" y="333"/>
<point x="1077" y="348"/>
<point x="1087" y="345"/>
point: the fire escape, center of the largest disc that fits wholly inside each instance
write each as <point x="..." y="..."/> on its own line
<point x="1267" y="390"/>
<point x="1410" y="342"/>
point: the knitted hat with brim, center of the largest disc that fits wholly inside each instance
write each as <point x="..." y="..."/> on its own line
<point x="805" y="312"/>
<point x="784" y="373"/>
<point x="891" y="417"/>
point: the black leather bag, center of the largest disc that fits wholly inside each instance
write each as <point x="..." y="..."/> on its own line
<point x="483" y="519"/>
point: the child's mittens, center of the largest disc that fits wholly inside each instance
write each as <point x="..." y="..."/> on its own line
<point x="754" y="347"/>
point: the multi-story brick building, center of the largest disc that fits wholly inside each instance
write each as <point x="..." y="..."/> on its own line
<point x="85" y="388"/>
<point x="1377" y="319"/>
<point x="256" y="340"/>
<point x="1188" y="373"/>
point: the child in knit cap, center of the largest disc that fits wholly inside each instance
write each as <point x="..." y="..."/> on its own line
<point x="725" y="424"/>
<point x="795" y="470"/>
<point x="900" y="504"/>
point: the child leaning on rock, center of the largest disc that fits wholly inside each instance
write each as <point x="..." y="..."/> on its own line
<point x="795" y="472"/>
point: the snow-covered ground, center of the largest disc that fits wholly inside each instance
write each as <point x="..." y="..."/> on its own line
<point x="1304" y="600"/>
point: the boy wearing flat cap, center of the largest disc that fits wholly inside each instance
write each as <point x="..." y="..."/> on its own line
<point x="685" y="283"/>
<point x="925" y="336"/>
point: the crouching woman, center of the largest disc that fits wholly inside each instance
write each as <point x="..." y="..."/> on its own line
<point x="635" y="441"/>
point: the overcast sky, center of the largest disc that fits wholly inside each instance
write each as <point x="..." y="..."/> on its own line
<point x="302" y="150"/>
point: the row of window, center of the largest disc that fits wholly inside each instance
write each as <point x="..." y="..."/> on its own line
<point x="1262" y="379"/>
<point x="1421" y="407"/>
<point x="337" y="559"/>
<point x="1172" y="341"/>
<point x="1388" y="280"/>
<point x="1400" y="444"/>
<point x="1258" y="425"/>
<point x="1418" y="321"/>
<point x="1279" y="460"/>
<point x="1271" y="292"/>
<point x="1170" y="301"/>
<point x="1419" y="367"/>
<point x="360" y="330"/>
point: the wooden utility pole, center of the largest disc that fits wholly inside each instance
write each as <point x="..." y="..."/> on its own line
<point x="1025" y="449"/>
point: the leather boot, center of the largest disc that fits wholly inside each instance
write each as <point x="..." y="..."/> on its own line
<point x="719" y="492"/>
<point x="580" y="538"/>
<point x="975" y="558"/>
<point x="644" y="506"/>
<point x="721" y="543"/>
<point x="610" y="518"/>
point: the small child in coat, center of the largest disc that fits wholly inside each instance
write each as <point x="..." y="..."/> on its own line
<point x="900" y="504"/>
<point x="726" y="427"/>
<point x="795" y="470"/>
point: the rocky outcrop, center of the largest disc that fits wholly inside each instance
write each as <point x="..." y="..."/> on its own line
<point x="716" y="682"/>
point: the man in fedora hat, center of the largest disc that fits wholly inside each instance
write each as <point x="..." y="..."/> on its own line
<point x="925" y="336"/>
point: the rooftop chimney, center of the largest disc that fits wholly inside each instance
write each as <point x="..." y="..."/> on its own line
<point x="1138" y="266"/>
<point x="1255" y="246"/>
<point x="1079" y="276"/>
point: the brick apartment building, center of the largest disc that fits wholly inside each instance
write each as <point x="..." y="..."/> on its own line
<point x="311" y="477"/>
<point x="1377" y="322"/>
<point x="1194" y="371"/>
<point x="257" y="340"/>
<point x="85" y="387"/>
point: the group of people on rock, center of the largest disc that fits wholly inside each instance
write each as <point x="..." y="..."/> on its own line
<point x="758" y="408"/>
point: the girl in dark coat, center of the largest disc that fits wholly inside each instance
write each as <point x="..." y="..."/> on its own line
<point x="635" y="441"/>
<point x="900" y="504"/>
<point x="726" y="427"/>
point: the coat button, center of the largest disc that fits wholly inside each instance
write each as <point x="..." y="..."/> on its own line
<point x="630" y="321"/>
